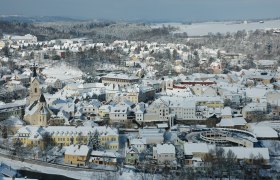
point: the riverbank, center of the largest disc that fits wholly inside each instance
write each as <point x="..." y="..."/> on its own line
<point x="77" y="174"/>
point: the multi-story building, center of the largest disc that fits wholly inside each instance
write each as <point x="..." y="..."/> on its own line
<point x="67" y="135"/>
<point x="91" y="107"/>
<point x="119" y="114"/>
<point x="158" y="111"/>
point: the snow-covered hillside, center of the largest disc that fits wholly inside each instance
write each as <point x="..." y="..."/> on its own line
<point x="200" y="29"/>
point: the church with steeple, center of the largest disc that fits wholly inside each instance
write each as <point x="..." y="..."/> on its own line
<point x="37" y="112"/>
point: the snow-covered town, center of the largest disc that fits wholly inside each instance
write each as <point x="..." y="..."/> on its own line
<point x="130" y="118"/>
<point x="139" y="90"/>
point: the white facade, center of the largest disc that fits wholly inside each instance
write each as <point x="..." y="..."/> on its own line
<point x="118" y="114"/>
<point x="157" y="111"/>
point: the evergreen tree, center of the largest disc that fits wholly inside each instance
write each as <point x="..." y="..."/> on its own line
<point x="95" y="141"/>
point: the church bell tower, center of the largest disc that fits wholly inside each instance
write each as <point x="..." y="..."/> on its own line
<point x="35" y="91"/>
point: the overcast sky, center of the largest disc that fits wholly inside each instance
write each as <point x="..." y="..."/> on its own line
<point x="170" y="10"/>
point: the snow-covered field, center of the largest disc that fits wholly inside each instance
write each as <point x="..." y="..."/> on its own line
<point x="62" y="71"/>
<point x="200" y="29"/>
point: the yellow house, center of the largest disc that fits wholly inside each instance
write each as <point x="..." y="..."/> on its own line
<point x="76" y="155"/>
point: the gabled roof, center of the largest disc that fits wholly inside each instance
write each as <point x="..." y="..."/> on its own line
<point x="246" y="153"/>
<point x="230" y="122"/>
<point x="190" y="148"/>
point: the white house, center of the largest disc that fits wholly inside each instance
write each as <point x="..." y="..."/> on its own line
<point x="119" y="114"/>
<point x="164" y="153"/>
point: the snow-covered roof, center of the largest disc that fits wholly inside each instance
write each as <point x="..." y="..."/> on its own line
<point x="119" y="109"/>
<point x="256" y="92"/>
<point x="12" y="121"/>
<point x="104" y="153"/>
<point x="16" y="104"/>
<point x="263" y="131"/>
<point x="77" y="150"/>
<point x="165" y="149"/>
<point x="230" y="122"/>
<point x="246" y="153"/>
<point x="137" y="141"/>
<point x="190" y="148"/>
<point x="71" y="130"/>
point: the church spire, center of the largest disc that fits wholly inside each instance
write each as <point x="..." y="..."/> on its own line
<point x="42" y="99"/>
<point x="34" y="71"/>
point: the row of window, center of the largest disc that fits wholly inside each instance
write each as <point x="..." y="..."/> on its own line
<point x="117" y="115"/>
<point x="166" y="155"/>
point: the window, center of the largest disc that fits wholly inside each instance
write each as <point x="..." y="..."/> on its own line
<point x="35" y="90"/>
